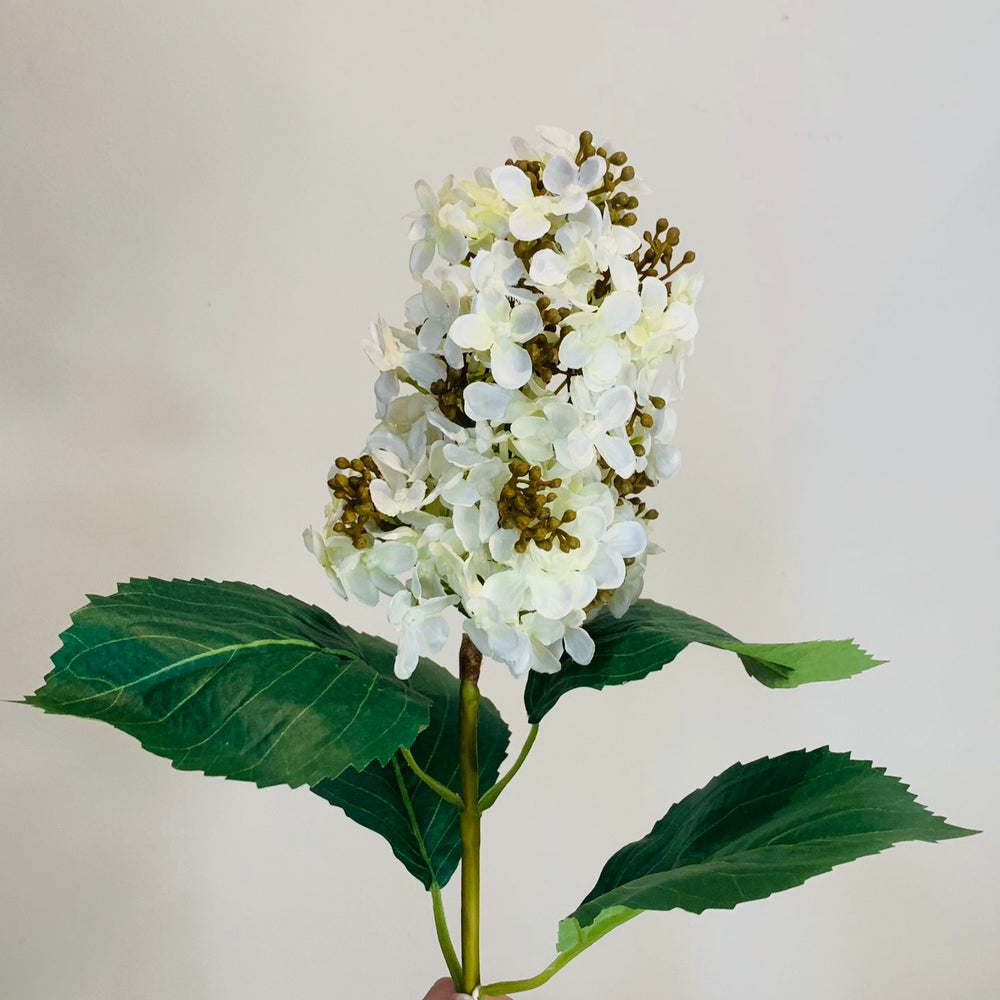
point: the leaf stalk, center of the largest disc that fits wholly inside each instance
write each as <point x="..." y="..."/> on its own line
<point x="494" y="793"/>
<point x="443" y="790"/>
<point x="559" y="962"/>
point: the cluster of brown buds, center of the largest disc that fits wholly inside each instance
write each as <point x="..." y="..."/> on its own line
<point x="352" y="484"/>
<point x="524" y="506"/>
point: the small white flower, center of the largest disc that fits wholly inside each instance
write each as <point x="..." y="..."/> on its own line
<point x="496" y="271"/>
<point x="562" y="177"/>
<point x="497" y="327"/>
<point x="602" y="432"/>
<point x="422" y="627"/>
<point x="594" y="345"/>
<point x="442" y="226"/>
<point x="530" y="218"/>
<point x="393" y="350"/>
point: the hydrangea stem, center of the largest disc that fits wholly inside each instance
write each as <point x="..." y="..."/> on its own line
<point x="469" y="819"/>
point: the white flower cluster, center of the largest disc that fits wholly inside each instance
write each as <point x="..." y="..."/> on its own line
<point x="538" y="360"/>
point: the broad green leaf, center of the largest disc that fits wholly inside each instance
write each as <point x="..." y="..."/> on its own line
<point x="759" y="828"/>
<point x="232" y="680"/>
<point x="651" y="635"/>
<point x="377" y="796"/>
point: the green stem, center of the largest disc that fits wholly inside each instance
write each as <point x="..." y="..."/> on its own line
<point x="443" y="790"/>
<point x="469" y="819"/>
<point x="520" y="985"/>
<point x="443" y="935"/>
<point x="440" y="920"/>
<point x="494" y="793"/>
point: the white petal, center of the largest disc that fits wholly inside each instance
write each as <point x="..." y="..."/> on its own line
<point x="581" y="449"/>
<point x="421" y="255"/>
<point x="624" y="275"/>
<point x="382" y="498"/>
<point x="314" y="543"/>
<point x="668" y="461"/>
<point x="505" y="590"/>
<point x="543" y="659"/>
<point x="426" y="197"/>
<point x="618" y="453"/>
<point x="486" y="401"/>
<point x="574" y="351"/>
<point x="615" y="407"/>
<point x="510" y="364"/>
<point x="358" y="581"/>
<point x="551" y="595"/>
<point x="530" y="426"/>
<point x="579" y="645"/>
<point x="592" y="171"/>
<point x="399" y="607"/>
<point x="559" y="173"/>
<point x="434" y="632"/>
<point x="607" y="569"/>
<point x="513" y="184"/>
<point x="502" y="544"/>
<point x="625" y="240"/>
<point x="559" y="139"/>
<point x="681" y="320"/>
<point x="473" y="331"/>
<point x="386" y="390"/>
<point x="459" y="492"/>
<point x="466" y="521"/>
<point x="413" y="496"/>
<point x="544" y="630"/>
<point x="627" y="538"/>
<point x="619" y="311"/>
<point x="452" y="245"/>
<point x="424" y="369"/>
<point x="654" y="295"/>
<point x="335" y="584"/>
<point x="590" y="523"/>
<point x="604" y="366"/>
<point x="590" y="216"/>
<point x="395" y="557"/>
<point x="528" y="223"/>
<point x="407" y="654"/>
<point x="525" y="322"/>
<point x="452" y="353"/>
<point x="548" y="268"/>
<point x="520" y="659"/>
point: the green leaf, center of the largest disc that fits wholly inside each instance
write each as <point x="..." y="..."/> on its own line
<point x="759" y="828"/>
<point x="381" y="797"/>
<point x="651" y="635"/>
<point x="232" y="680"/>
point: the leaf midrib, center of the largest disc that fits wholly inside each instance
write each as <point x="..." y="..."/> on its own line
<point x="177" y="664"/>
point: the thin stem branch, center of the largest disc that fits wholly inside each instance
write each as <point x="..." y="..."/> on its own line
<point x="470" y="818"/>
<point x="444" y="935"/>
<point x="440" y="921"/>
<point x="443" y="790"/>
<point x="494" y="793"/>
<point x="520" y="985"/>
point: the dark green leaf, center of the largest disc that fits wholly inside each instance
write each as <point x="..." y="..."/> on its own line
<point x="231" y="679"/>
<point x="757" y="829"/>
<point x="651" y="635"/>
<point x="377" y="796"/>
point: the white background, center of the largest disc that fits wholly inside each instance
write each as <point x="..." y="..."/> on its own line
<point x="202" y="209"/>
